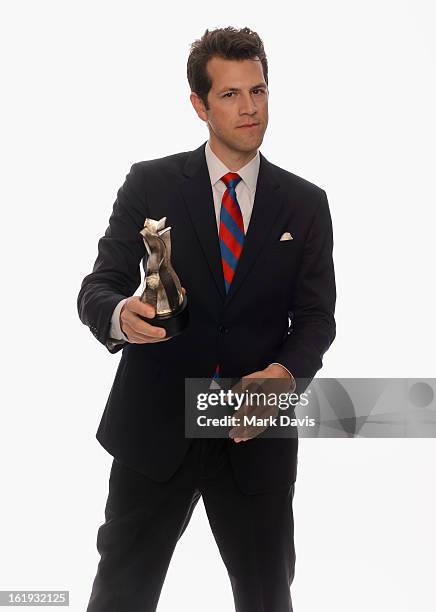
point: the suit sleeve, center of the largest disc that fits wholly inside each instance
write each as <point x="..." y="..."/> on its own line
<point x="312" y="303"/>
<point x="116" y="273"/>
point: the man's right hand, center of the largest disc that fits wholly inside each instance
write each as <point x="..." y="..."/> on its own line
<point x="136" y="329"/>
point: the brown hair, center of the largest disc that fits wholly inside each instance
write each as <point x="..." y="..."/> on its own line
<point x="228" y="43"/>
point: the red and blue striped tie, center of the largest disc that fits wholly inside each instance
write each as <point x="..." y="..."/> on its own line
<point x="231" y="233"/>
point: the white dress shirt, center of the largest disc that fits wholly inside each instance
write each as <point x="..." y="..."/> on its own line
<point x="245" y="192"/>
<point x="245" y="189"/>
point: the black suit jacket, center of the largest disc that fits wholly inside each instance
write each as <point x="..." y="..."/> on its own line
<point x="275" y="282"/>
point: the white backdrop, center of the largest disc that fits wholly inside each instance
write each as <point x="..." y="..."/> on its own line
<point x="90" y="88"/>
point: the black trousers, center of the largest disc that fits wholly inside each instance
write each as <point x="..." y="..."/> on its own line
<point x="145" y="519"/>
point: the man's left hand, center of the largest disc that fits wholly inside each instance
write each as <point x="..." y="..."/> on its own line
<point x="273" y="379"/>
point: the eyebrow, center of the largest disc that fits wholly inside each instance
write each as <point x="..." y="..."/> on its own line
<point x="258" y="86"/>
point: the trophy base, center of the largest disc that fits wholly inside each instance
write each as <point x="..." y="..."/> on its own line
<point x="174" y="323"/>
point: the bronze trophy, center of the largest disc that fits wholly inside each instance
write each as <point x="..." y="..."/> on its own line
<point x="162" y="288"/>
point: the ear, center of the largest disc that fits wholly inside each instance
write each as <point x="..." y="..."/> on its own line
<point x="198" y="105"/>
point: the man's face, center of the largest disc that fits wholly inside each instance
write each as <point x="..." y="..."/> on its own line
<point x="238" y="104"/>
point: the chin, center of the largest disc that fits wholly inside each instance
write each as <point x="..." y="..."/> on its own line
<point x="246" y="147"/>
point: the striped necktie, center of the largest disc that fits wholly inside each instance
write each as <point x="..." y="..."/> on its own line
<point x="231" y="233"/>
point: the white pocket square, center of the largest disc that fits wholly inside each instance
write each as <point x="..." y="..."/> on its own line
<point x="286" y="236"/>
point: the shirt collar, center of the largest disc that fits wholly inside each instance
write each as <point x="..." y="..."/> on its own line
<point x="217" y="169"/>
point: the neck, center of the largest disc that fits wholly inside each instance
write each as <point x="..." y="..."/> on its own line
<point x="234" y="160"/>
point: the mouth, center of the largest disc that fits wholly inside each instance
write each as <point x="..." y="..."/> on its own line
<point x="248" y="125"/>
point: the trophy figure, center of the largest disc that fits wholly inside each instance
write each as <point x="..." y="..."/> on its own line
<point x="161" y="286"/>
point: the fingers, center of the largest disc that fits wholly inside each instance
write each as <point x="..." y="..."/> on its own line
<point x="141" y="338"/>
<point x="136" y="329"/>
<point x="134" y="305"/>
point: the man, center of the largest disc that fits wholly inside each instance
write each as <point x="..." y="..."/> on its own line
<point x="241" y="303"/>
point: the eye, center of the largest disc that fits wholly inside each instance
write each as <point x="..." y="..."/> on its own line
<point x="255" y="91"/>
<point x="229" y="94"/>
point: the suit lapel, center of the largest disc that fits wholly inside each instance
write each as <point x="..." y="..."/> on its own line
<point x="266" y="207"/>
<point x="198" y="196"/>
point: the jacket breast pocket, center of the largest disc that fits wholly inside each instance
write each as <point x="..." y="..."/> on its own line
<point x="280" y="262"/>
<point x="282" y="249"/>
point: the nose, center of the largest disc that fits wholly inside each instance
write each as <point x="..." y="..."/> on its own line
<point x="247" y="105"/>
